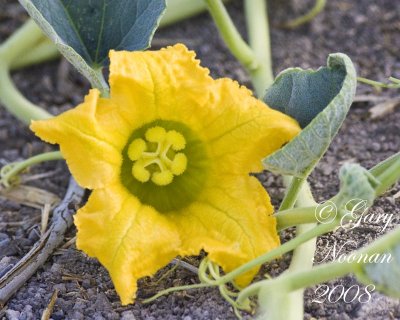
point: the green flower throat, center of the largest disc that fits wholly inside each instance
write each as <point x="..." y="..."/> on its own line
<point x="164" y="165"/>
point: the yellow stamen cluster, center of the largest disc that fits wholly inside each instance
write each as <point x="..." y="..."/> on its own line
<point x="168" y="162"/>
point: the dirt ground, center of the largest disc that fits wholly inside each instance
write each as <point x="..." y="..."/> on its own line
<point x="368" y="31"/>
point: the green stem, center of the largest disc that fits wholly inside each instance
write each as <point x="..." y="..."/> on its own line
<point x="302" y="260"/>
<point x="231" y="35"/>
<point x="301" y="274"/>
<point x="98" y="81"/>
<point x="394" y="80"/>
<point x="318" y="7"/>
<point x="386" y="172"/>
<point x="259" y="38"/>
<point x="384" y="165"/>
<point x="298" y="280"/>
<point x="378" y="84"/>
<point x="15" y="102"/>
<point x="43" y="51"/>
<point x="178" y="10"/>
<point x="174" y="289"/>
<point x="274" y="306"/>
<point x="292" y="192"/>
<point x="324" y="272"/>
<point x="303" y="256"/>
<point x="296" y="216"/>
<point x="20" y="41"/>
<point x="256" y="58"/>
<point x="11" y="170"/>
<point x="277" y="252"/>
<point x="388" y="177"/>
<point x="15" y="46"/>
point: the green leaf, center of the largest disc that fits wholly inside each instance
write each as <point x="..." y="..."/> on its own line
<point x="319" y="100"/>
<point x="85" y="30"/>
<point x="384" y="275"/>
<point x="356" y="182"/>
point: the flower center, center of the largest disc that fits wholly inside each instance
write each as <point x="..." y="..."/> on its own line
<point x="165" y="165"/>
<point x="157" y="156"/>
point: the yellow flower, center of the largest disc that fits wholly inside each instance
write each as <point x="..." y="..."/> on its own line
<point x="168" y="157"/>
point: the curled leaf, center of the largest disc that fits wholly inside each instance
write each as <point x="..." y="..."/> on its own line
<point x="356" y="182"/>
<point x="319" y="101"/>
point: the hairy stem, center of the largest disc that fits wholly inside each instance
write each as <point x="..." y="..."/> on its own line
<point x="293" y="189"/>
<point x="377" y="84"/>
<point x="178" y="10"/>
<point x="386" y="172"/>
<point x="388" y="177"/>
<point x="10" y="97"/>
<point x="231" y="35"/>
<point x="297" y="280"/>
<point x="11" y="170"/>
<point x="295" y="216"/>
<point x="98" y="81"/>
<point x="316" y="9"/>
<point x="15" y="102"/>
<point x="259" y="38"/>
<point x="174" y="289"/>
<point x="394" y="80"/>
<point x="325" y="272"/>
<point x="256" y="58"/>
<point x="300" y="273"/>
<point x="384" y="165"/>
<point x="45" y="50"/>
<point x="303" y="256"/>
<point x="19" y="42"/>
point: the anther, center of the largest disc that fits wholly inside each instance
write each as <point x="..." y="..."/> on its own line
<point x="140" y="172"/>
<point x="136" y="149"/>
<point x="179" y="164"/>
<point x="155" y="134"/>
<point x="162" y="178"/>
<point x="176" y="140"/>
<point x="161" y="165"/>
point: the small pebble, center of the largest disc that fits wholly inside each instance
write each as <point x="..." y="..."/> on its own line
<point x="12" y="315"/>
<point x="128" y="315"/>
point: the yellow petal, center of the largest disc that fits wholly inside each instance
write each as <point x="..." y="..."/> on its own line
<point x="231" y="221"/>
<point x="241" y="130"/>
<point x="130" y="240"/>
<point x="91" y="137"/>
<point x="167" y="84"/>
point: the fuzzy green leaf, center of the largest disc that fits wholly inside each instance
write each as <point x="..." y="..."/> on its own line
<point x="319" y="101"/>
<point x="356" y="182"/>
<point x="384" y="275"/>
<point x="85" y="30"/>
